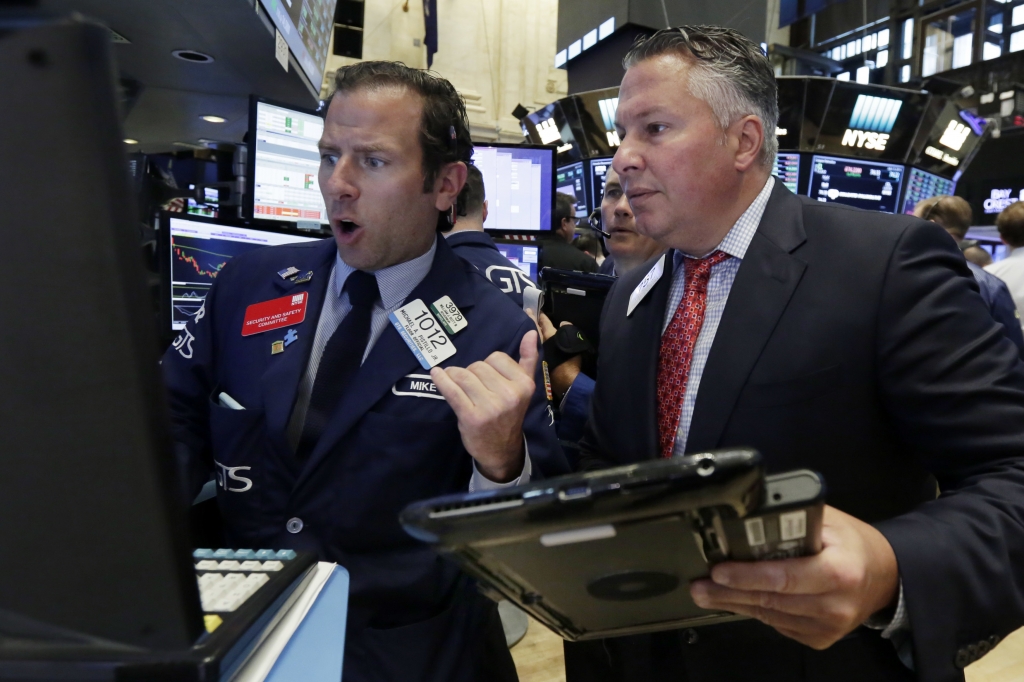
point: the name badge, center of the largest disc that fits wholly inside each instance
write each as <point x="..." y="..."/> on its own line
<point x="422" y="333"/>
<point x="646" y="284"/>
<point x="275" y="314"/>
<point x="418" y="386"/>
<point x="450" y="316"/>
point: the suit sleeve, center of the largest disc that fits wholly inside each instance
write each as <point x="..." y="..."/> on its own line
<point x="953" y="385"/>
<point x="188" y="371"/>
<point x="1004" y="310"/>
<point x="546" y="454"/>
<point x="594" y="430"/>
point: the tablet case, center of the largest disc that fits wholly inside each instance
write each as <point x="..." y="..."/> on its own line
<point x="603" y="553"/>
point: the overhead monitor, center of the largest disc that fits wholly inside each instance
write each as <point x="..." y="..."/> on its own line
<point x="519" y="182"/>
<point x="922" y="185"/>
<point x="195" y="251"/>
<point x="570" y="180"/>
<point x="951" y="142"/>
<point x="596" y="110"/>
<point x="791" y="112"/>
<point x="787" y="169"/>
<point x="284" y="163"/>
<point x="523" y="256"/>
<point x="598" y="171"/>
<point x="870" y="185"/>
<point x="556" y="124"/>
<point x="871" y="121"/>
<point x="306" y="26"/>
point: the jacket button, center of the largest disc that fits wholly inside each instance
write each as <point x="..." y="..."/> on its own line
<point x="983" y="648"/>
<point x="294" y="525"/>
<point x="962" y="659"/>
<point x="972" y="652"/>
<point x="690" y="636"/>
<point x="994" y="640"/>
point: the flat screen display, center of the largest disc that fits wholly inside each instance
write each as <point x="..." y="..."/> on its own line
<point x="519" y="185"/>
<point x="787" y="169"/>
<point x="871" y="122"/>
<point x="285" y="165"/>
<point x="855" y="182"/>
<point x="199" y="250"/>
<point x="951" y="142"/>
<point x="306" y="26"/>
<point x="570" y="180"/>
<point x="922" y="185"/>
<point x="598" y="171"/>
<point x="523" y="257"/>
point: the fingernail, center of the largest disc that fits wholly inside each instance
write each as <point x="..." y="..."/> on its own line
<point x="700" y="597"/>
<point x="721" y="577"/>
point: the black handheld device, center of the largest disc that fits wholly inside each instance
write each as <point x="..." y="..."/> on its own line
<point x="576" y="297"/>
<point x="787" y="524"/>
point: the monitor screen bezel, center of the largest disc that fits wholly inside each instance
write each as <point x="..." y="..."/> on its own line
<point x="857" y="159"/>
<point x="249" y="205"/>
<point x="163" y="241"/>
<point x="910" y="169"/>
<point x="554" y="171"/>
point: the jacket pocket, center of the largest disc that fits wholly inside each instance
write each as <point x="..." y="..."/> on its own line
<point x="790" y="391"/>
<point x="238" y="438"/>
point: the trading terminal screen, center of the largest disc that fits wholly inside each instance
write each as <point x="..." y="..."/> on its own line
<point x="306" y="26"/>
<point x="787" y="169"/>
<point x="569" y="180"/>
<point x="598" y="171"/>
<point x="865" y="184"/>
<point x="523" y="257"/>
<point x="199" y="251"/>
<point x="922" y="185"/>
<point x="287" y="161"/>
<point x="519" y="185"/>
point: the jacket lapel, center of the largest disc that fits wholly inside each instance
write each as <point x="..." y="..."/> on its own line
<point x="390" y="359"/>
<point x="765" y="282"/>
<point x="279" y="383"/>
<point x="643" y="328"/>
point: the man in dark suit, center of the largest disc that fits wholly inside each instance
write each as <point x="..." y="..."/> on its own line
<point x="830" y="338"/>
<point x="557" y="250"/>
<point x="322" y="422"/>
<point x="844" y="341"/>
<point x="470" y="243"/>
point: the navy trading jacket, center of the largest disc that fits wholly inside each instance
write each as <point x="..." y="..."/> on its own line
<point x="391" y="441"/>
<point x="479" y="249"/>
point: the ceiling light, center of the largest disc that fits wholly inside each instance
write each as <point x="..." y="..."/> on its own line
<point x="213" y="119"/>
<point x="193" y="56"/>
<point x="129" y="140"/>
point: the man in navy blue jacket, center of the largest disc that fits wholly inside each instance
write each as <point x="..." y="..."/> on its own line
<point x="322" y="419"/>
<point x="469" y="241"/>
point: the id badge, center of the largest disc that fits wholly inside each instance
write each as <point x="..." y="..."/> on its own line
<point x="422" y="333"/>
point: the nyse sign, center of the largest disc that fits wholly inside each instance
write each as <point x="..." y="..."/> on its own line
<point x="865" y="139"/>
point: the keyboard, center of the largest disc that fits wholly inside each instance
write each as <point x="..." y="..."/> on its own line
<point x="229" y="577"/>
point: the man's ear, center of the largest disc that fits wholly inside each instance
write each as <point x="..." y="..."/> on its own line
<point x="749" y="133"/>
<point x="484" y="219"/>
<point x="449" y="184"/>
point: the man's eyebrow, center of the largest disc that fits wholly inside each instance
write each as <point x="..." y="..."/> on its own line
<point x="372" y="148"/>
<point x="644" y="113"/>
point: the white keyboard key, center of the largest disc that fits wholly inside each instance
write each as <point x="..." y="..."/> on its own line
<point x="251" y="566"/>
<point x="229" y="565"/>
<point x="207" y="565"/>
<point x="272" y="565"/>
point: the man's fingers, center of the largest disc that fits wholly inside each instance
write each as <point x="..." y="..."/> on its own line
<point x="528" y="353"/>
<point x="708" y="595"/>
<point x="451" y="390"/>
<point x="547" y="330"/>
<point x="565" y="323"/>
<point x="804" y="575"/>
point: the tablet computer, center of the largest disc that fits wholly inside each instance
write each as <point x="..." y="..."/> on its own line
<point x="603" y="553"/>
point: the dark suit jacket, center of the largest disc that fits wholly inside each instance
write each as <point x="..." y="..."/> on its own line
<point x="855" y="344"/>
<point x="390" y="442"/>
<point x="1000" y="304"/>
<point x="478" y="248"/>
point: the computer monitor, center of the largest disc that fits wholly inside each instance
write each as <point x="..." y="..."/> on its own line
<point x="284" y="163"/>
<point x="787" y="169"/>
<point x="306" y="26"/>
<point x="194" y="251"/>
<point x="871" y="121"/>
<point x="571" y="180"/>
<point x="523" y="256"/>
<point x="519" y="181"/>
<point x="871" y="185"/>
<point x="922" y="185"/>
<point x="598" y="170"/>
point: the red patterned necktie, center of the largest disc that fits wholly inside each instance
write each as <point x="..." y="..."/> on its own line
<point x="677" y="346"/>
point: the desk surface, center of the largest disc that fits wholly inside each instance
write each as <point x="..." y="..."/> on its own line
<point x="316" y="650"/>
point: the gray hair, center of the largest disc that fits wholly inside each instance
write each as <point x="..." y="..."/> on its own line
<point x="728" y="71"/>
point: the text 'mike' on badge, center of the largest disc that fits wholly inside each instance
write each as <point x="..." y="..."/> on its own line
<point x="422" y="333"/>
<point x="274" y="314"/>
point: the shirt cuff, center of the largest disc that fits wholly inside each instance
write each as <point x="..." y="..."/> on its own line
<point x="900" y="620"/>
<point x="480" y="482"/>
